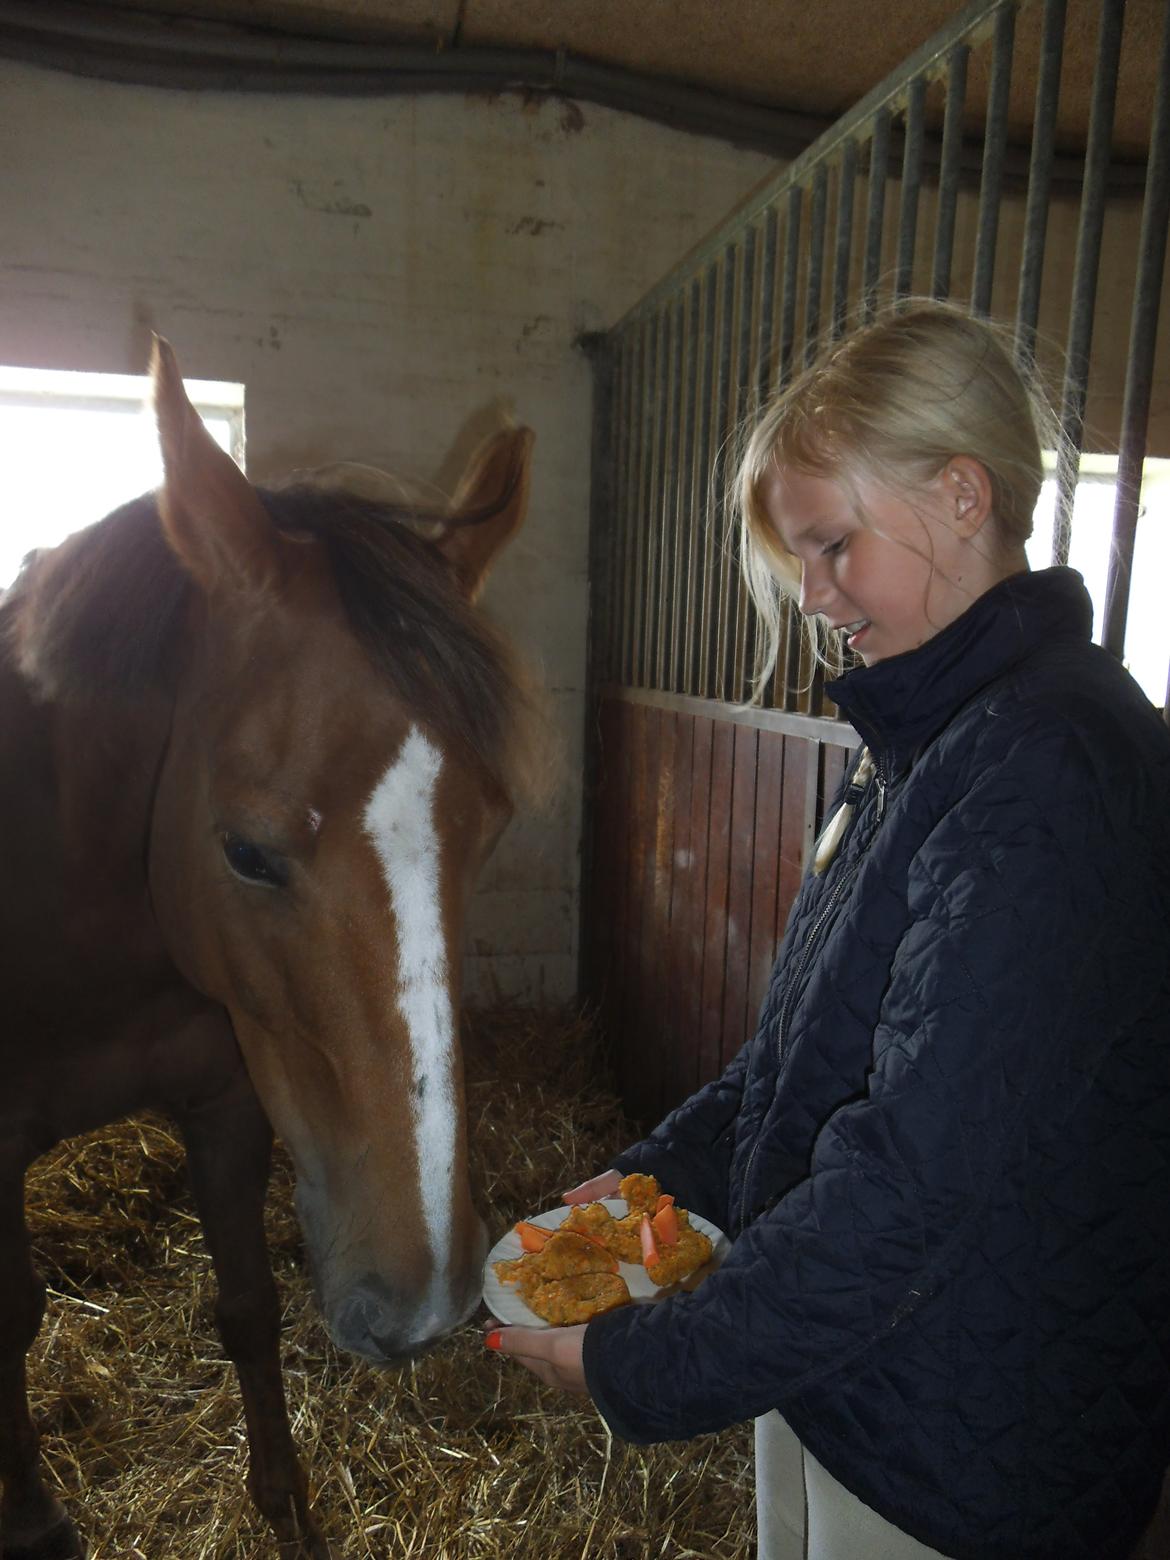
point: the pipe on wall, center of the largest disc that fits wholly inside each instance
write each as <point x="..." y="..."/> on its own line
<point x="150" y="50"/>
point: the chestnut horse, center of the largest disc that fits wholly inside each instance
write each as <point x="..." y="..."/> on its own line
<point x="257" y="744"/>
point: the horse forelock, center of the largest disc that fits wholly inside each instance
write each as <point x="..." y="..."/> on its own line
<point x="444" y="659"/>
<point x="104" y="614"/>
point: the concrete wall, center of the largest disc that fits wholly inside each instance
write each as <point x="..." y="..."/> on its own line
<point x="378" y="274"/>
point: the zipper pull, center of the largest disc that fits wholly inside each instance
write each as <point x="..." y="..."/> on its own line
<point x="881" y="797"/>
<point x="834" y="831"/>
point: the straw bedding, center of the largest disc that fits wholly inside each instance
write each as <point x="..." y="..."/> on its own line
<point x="460" y="1454"/>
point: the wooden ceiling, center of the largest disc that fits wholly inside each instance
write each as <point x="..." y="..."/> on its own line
<point x="810" y="57"/>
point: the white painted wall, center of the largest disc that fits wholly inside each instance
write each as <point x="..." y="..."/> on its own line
<point x="378" y="273"/>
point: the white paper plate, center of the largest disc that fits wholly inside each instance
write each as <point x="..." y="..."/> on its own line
<point x="504" y="1302"/>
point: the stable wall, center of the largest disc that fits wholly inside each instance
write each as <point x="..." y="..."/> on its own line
<point x="379" y="274"/>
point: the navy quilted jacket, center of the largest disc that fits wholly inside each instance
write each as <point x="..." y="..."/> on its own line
<point x="945" y="1156"/>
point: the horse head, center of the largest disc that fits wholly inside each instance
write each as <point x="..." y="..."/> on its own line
<point x="340" y="764"/>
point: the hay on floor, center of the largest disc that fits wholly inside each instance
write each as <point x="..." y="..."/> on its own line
<point x="460" y="1454"/>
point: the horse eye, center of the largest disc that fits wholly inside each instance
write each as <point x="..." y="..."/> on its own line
<point x="253" y="863"/>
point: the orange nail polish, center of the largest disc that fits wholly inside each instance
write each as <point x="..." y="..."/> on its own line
<point x="492" y="1341"/>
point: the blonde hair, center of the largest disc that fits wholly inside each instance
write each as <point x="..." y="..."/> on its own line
<point x="893" y="401"/>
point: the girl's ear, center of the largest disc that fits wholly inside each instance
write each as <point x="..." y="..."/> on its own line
<point x="967" y="493"/>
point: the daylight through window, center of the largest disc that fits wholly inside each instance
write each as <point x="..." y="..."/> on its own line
<point x="73" y="446"/>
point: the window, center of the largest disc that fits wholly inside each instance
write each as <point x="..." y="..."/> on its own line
<point x="74" y="446"/>
<point x="1147" y="632"/>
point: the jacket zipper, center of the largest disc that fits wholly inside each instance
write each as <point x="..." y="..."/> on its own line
<point x="806" y="954"/>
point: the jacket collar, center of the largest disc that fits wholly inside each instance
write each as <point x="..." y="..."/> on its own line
<point x="899" y="704"/>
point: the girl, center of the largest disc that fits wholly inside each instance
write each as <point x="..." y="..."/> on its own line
<point x="944" y="1159"/>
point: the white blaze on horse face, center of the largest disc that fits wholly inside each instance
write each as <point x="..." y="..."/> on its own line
<point x="399" y="818"/>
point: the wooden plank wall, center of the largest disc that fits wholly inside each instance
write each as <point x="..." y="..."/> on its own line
<point x="701" y="827"/>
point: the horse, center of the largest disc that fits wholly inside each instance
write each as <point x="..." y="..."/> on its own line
<point x="256" y="745"/>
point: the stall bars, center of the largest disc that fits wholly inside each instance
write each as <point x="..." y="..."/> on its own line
<point x="681" y="912"/>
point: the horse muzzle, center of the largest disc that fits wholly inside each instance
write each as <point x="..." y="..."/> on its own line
<point x="372" y="1320"/>
<point x="382" y="1300"/>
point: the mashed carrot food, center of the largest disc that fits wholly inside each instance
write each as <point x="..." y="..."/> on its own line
<point x="571" y="1273"/>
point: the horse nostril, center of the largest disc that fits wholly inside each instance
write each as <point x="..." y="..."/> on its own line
<point x="385" y="1322"/>
<point x="371" y="1321"/>
<point x="362" y="1322"/>
<point x="393" y="1352"/>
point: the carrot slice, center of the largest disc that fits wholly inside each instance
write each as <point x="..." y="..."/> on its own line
<point x="568" y="1253"/>
<point x="532" y="1237"/>
<point x="649" y="1249"/>
<point x="665" y="1200"/>
<point x="585" y="1235"/>
<point x="665" y="1225"/>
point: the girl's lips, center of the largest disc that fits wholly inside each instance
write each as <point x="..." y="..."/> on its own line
<point x="858" y="635"/>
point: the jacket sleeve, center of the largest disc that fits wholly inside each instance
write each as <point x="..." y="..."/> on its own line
<point x="1027" y="952"/>
<point x="690" y="1153"/>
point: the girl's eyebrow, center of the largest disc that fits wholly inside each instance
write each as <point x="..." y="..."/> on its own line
<point x="820" y="524"/>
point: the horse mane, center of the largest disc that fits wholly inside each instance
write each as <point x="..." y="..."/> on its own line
<point x="103" y="615"/>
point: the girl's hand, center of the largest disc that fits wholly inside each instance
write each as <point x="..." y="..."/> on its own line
<point x="552" y="1353"/>
<point x="604" y="1185"/>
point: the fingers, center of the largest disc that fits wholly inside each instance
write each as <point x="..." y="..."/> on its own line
<point x="553" y="1354"/>
<point x="524" y="1342"/>
<point x="604" y="1185"/>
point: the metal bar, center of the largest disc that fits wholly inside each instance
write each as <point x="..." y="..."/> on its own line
<point x="611" y="517"/>
<point x="664" y="585"/>
<point x="791" y="279"/>
<point x="765" y="352"/>
<point x="717" y="646"/>
<point x="723" y="650"/>
<point x="879" y="167"/>
<point x="653" y="509"/>
<point x="971" y="24"/>
<point x="1085" y="268"/>
<point x="712" y="604"/>
<point x="640" y="336"/>
<point x="629" y="340"/>
<point x="765" y="362"/>
<point x="793" y="647"/>
<point x="684" y="507"/>
<point x="994" y="144"/>
<point x="843" y="240"/>
<point x="742" y="617"/>
<point x="644" y="492"/>
<point x="747" y="296"/>
<point x="605" y="357"/>
<point x="700" y="578"/>
<point x="816" y="691"/>
<point x="816" y="263"/>
<point x="911" y="184"/>
<point x="1040" y="178"/>
<point x="1139" y="371"/>
<point x="948" y="176"/>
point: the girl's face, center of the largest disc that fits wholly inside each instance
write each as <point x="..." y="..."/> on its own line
<point x="888" y="571"/>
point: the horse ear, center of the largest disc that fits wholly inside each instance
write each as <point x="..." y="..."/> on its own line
<point x="211" y="517"/>
<point x="489" y="506"/>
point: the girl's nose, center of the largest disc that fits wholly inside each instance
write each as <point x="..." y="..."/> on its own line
<point x="814" y="589"/>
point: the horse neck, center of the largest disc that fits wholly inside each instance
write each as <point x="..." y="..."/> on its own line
<point x="109" y="757"/>
<point x="76" y="796"/>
